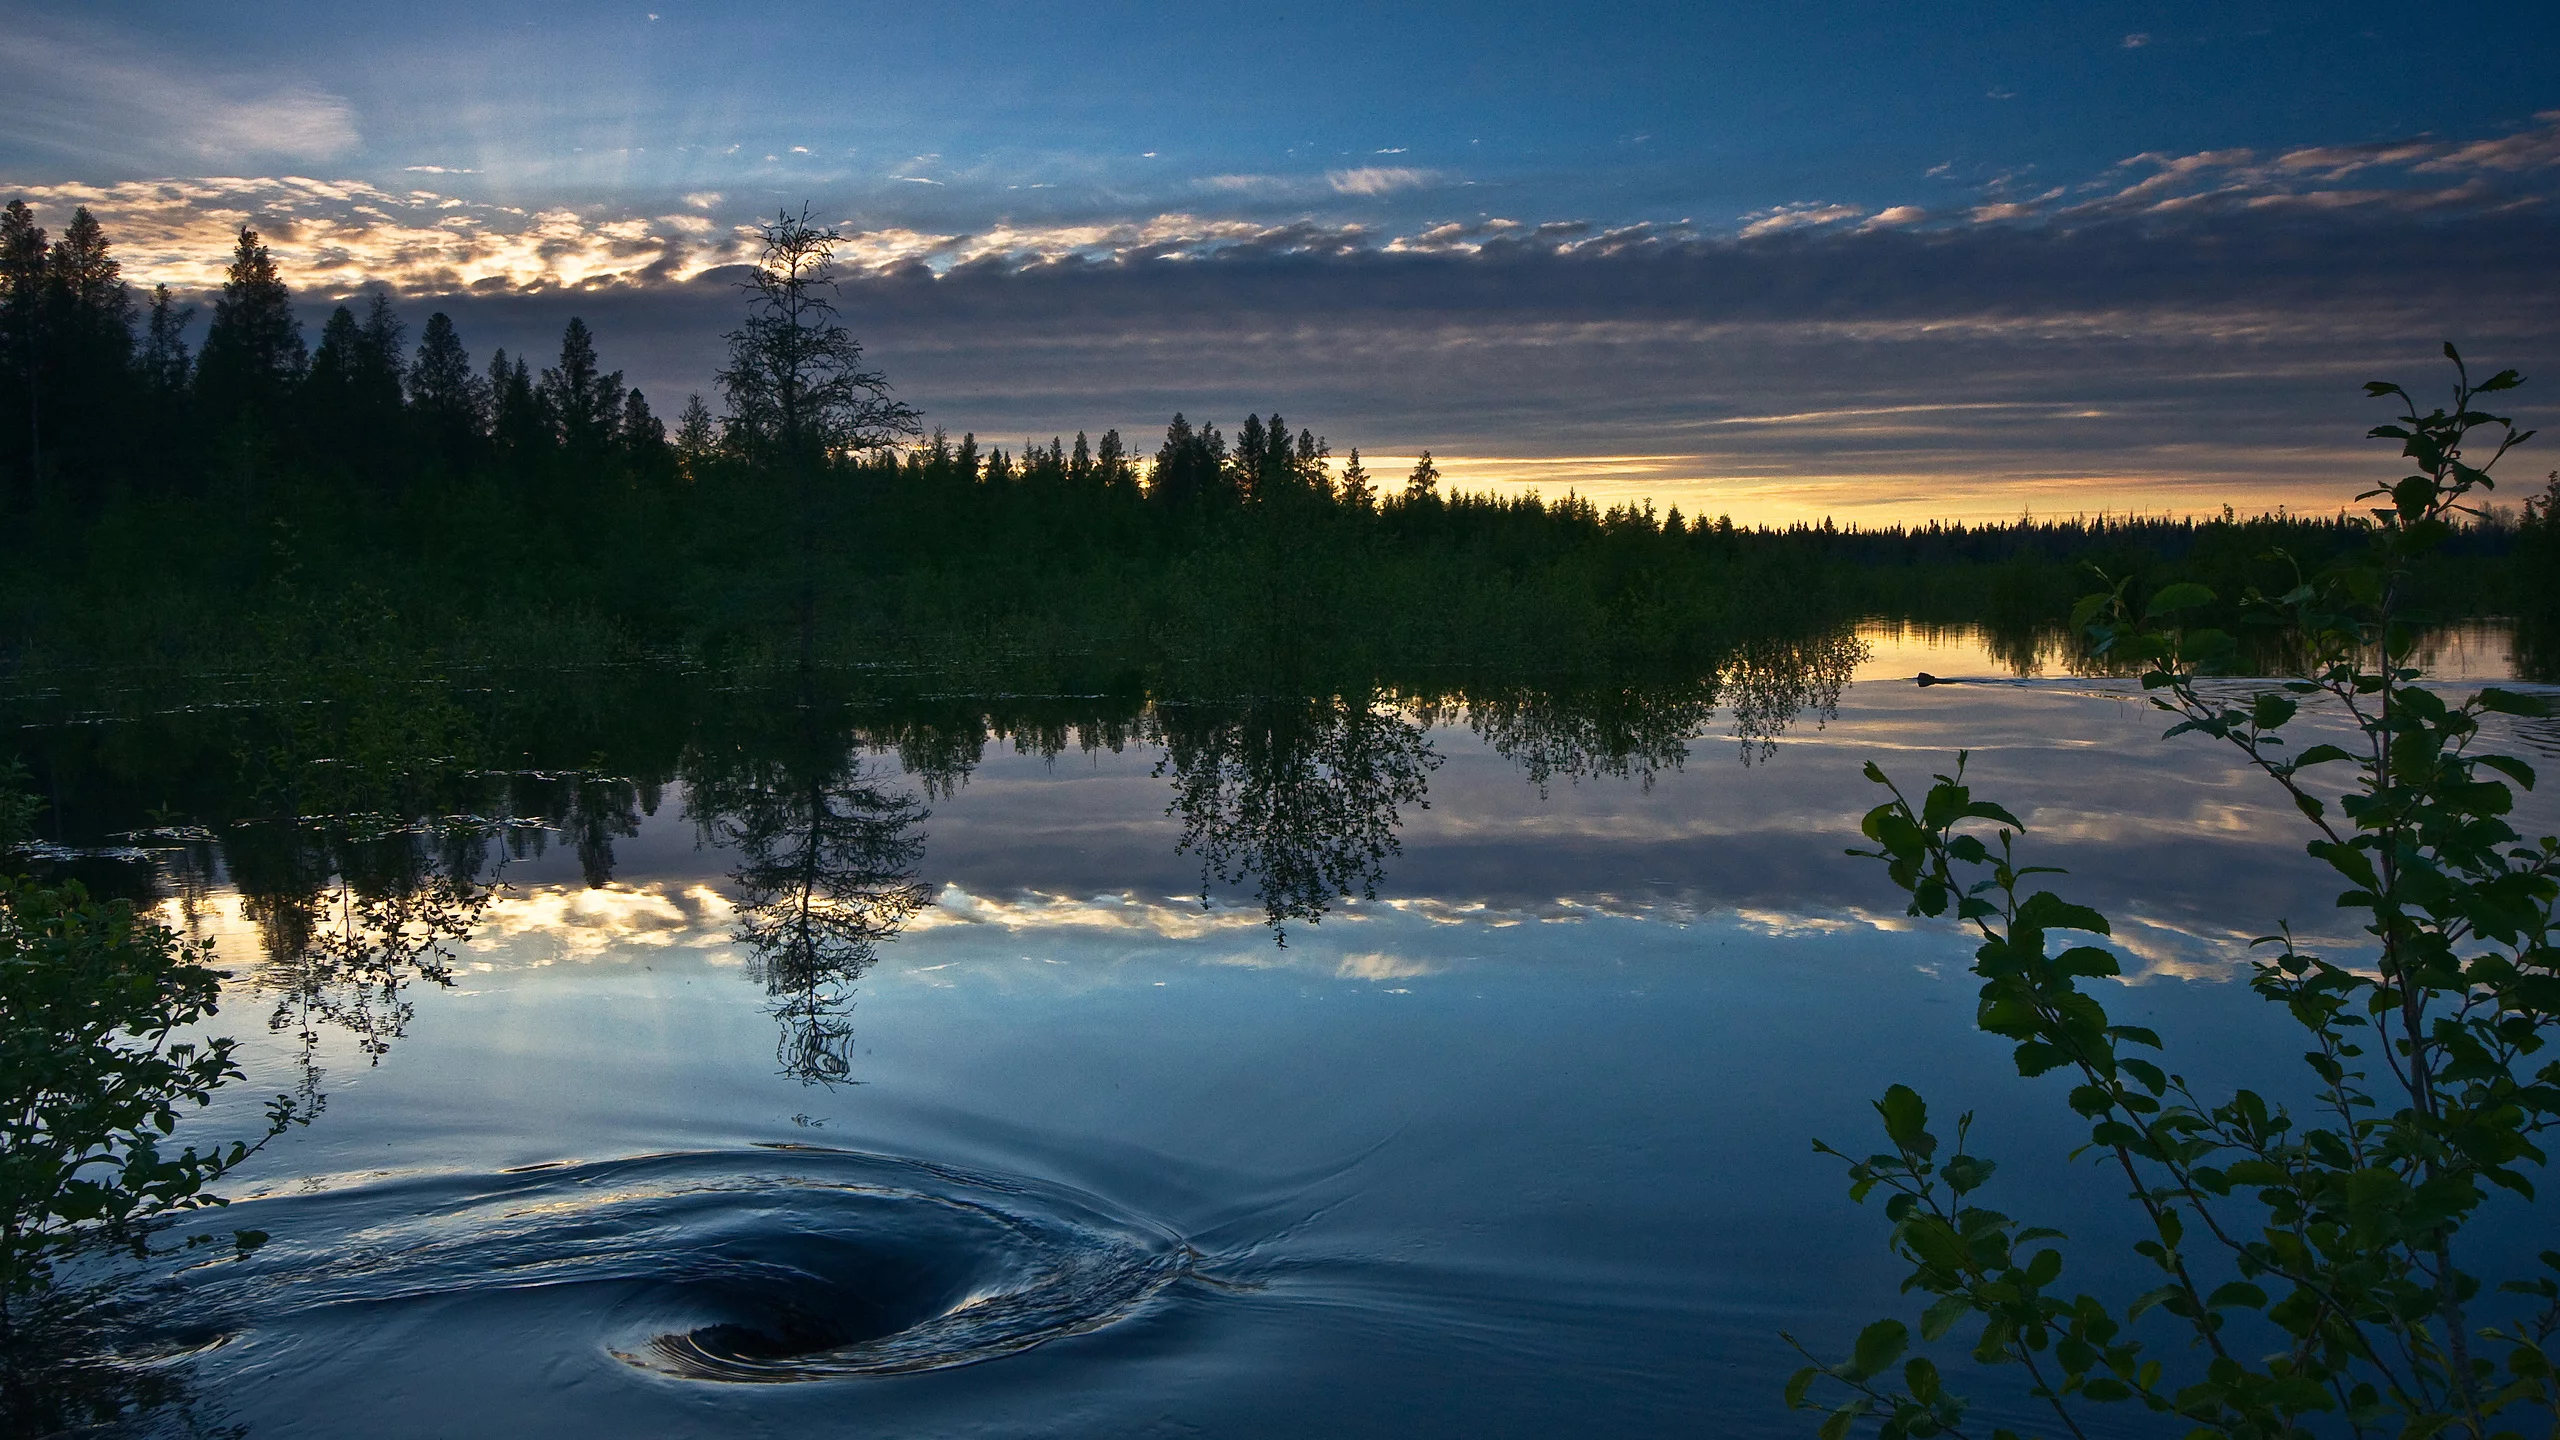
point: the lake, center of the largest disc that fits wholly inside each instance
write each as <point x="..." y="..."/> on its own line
<point x="827" y="1065"/>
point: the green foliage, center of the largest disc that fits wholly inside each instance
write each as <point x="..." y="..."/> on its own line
<point x="94" y="1076"/>
<point x="17" y="807"/>
<point x="2313" y="1260"/>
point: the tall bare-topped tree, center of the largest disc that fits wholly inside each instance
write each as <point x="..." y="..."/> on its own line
<point x="796" y="390"/>
<point x="795" y="385"/>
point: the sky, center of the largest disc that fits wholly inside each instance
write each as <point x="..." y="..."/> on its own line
<point x="1875" y="261"/>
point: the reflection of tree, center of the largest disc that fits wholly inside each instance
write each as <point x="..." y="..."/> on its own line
<point x="349" y="922"/>
<point x="1638" y="730"/>
<point x="1768" y="683"/>
<point x="827" y="872"/>
<point x="1303" y="794"/>
<point x="1615" y="731"/>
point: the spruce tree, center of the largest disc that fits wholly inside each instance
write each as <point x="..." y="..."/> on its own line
<point x="379" y="369"/>
<point x="585" y="402"/>
<point x="22" y="254"/>
<point x="1357" y="491"/>
<point x="519" y="423"/>
<point x="1080" y="463"/>
<point x="163" y="372"/>
<point x="641" y="437"/>
<point x="697" y="439"/>
<point x="88" y="346"/>
<point x="448" y="403"/>
<point x="328" y="386"/>
<point x="1111" y="463"/>
<point x="1424" y="482"/>
<point x="253" y="358"/>
<point x="165" y="366"/>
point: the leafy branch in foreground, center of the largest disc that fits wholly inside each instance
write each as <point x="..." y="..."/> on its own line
<point x="94" y="1075"/>
<point x="2312" y="1260"/>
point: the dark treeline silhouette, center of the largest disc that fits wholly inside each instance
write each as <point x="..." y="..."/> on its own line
<point x="226" y="504"/>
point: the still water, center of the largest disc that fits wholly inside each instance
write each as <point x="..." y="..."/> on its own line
<point x="869" y="1081"/>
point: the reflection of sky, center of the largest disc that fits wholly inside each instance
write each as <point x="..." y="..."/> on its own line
<point x="1765" y="261"/>
<point x="1512" y="1146"/>
<point x="2189" y="852"/>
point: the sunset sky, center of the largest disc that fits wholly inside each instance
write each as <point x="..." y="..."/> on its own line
<point x="1772" y="260"/>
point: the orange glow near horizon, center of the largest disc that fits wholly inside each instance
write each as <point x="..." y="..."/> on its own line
<point x="1768" y="495"/>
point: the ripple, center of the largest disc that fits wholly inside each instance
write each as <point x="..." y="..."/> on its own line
<point x="782" y="1263"/>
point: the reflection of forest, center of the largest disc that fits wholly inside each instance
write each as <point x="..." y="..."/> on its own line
<point x="366" y="819"/>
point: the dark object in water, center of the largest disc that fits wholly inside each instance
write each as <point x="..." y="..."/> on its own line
<point x="1928" y="679"/>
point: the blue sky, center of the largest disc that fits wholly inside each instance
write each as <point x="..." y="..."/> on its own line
<point x="527" y="165"/>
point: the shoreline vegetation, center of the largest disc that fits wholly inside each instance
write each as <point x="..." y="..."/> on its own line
<point x="253" y="502"/>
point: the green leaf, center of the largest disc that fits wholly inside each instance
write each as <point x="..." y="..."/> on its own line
<point x="1986" y="810"/>
<point x="1942" y="1316"/>
<point x="2045" y="910"/>
<point x="2508" y="702"/>
<point x="2509" y="766"/>
<point x="2238" y="1292"/>
<point x="2185" y="595"/>
<point x="1879" y="1345"/>
<point x="1798" y="1384"/>
<point x="1906" y="1118"/>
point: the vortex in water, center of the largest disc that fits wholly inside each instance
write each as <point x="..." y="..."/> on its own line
<point x="785" y="1263"/>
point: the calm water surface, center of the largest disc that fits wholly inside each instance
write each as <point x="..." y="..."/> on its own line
<point x="923" y="1099"/>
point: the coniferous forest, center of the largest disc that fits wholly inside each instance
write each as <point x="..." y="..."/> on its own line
<point x="183" y="507"/>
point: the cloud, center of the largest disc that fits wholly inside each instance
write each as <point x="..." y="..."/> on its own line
<point x="2097" y="339"/>
<point x="2136" y="40"/>
<point x="55" y="77"/>
<point x="1798" y="216"/>
<point x="1377" y="179"/>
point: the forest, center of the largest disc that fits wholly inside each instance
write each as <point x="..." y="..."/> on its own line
<point x="176" y="508"/>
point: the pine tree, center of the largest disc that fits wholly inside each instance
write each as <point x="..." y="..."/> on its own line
<point x="379" y="369"/>
<point x="697" y="439"/>
<point x="1080" y="461"/>
<point x="22" y="255"/>
<point x="1357" y="491"/>
<point x="88" y="346"/>
<point x="449" y="404"/>
<point x="164" y="371"/>
<point x="585" y="402"/>
<point x="253" y="358"/>
<point x="1424" y="482"/>
<point x="518" y="422"/>
<point x="328" y="385"/>
<point x="1111" y="464"/>
<point x="165" y="367"/>
<point x="641" y="436"/>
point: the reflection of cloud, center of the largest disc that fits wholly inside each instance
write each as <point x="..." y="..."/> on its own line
<point x="1378" y="965"/>
<point x="1377" y="179"/>
<point x="556" y="922"/>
